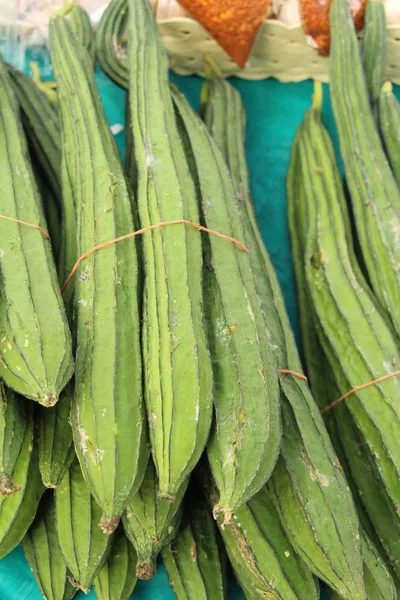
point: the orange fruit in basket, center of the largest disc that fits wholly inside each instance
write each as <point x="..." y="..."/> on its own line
<point x="233" y="23"/>
<point x="315" y="18"/>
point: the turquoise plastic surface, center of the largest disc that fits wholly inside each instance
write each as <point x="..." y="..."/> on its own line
<point x="274" y="111"/>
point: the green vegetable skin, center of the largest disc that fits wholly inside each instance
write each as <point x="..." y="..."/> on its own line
<point x="307" y="462"/>
<point x="364" y="478"/>
<point x="20" y="485"/>
<point x="261" y="554"/>
<point x="32" y="314"/>
<point x="365" y="522"/>
<point x="151" y="522"/>
<point x="195" y="560"/>
<point x="380" y="508"/>
<point x="364" y="349"/>
<point x="41" y="122"/>
<point x="56" y="450"/>
<point x="43" y="554"/>
<point x="110" y="52"/>
<point x="244" y="443"/>
<point x="374" y="193"/>
<point x="374" y="47"/>
<point x="389" y="124"/>
<point x="84" y="547"/>
<point x="117" y="579"/>
<point x="297" y="218"/>
<point x="18" y="510"/>
<point x="319" y="373"/>
<point x="377" y="514"/>
<point x="177" y="375"/>
<point x="50" y="208"/>
<point x="82" y="29"/>
<point x="344" y="304"/>
<point x="378" y="581"/>
<point x="14" y="427"/>
<point x="107" y="412"/>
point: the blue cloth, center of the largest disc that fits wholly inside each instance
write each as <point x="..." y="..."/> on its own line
<point x="274" y="111"/>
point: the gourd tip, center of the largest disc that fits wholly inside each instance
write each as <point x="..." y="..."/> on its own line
<point x="50" y="485"/>
<point x="205" y="92"/>
<point x="212" y="70"/>
<point x="7" y="486"/>
<point x="109" y="524"/>
<point x="387" y="87"/>
<point x="318" y="95"/>
<point x="34" y="67"/>
<point x="75" y="584"/>
<point x="225" y="513"/>
<point x="145" y="570"/>
<point x="49" y="401"/>
<point x="64" y="10"/>
<point x="165" y="496"/>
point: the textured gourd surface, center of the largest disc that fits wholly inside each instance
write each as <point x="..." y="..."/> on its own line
<point x="274" y="110"/>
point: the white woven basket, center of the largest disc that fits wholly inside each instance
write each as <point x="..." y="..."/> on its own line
<point x="281" y="49"/>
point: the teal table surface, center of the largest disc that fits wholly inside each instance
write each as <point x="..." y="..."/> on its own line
<point x="274" y="111"/>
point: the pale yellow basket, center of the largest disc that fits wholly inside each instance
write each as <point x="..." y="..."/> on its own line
<point x="281" y="49"/>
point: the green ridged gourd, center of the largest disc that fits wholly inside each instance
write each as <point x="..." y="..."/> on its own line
<point x="308" y="471"/>
<point x="369" y="343"/>
<point x="374" y="46"/>
<point x="259" y="550"/>
<point x="15" y="428"/>
<point x="117" y="579"/>
<point x="244" y="442"/>
<point x="389" y="125"/>
<point x="375" y="508"/>
<point x="56" y="450"/>
<point x="82" y="28"/>
<point x="110" y="50"/>
<point x="41" y="123"/>
<point x="40" y="120"/>
<point x="20" y="487"/>
<point x="108" y="420"/>
<point x="83" y="545"/>
<point x="355" y="336"/>
<point x="195" y="560"/>
<point x="35" y="340"/>
<point x="151" y="522"/>
<point x="379" y="584"/>
<point x="43" y="554"/>
<point x="374" y="193"/>
<point x="177" y="367"/>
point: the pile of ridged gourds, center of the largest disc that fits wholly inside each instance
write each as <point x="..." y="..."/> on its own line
<point x="152" y="383"/>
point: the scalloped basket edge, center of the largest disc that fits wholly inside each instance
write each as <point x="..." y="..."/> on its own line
<point x="280" y="51"/>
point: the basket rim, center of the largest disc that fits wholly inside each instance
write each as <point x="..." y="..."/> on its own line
<point x="176" y="20"/>
<point x="275" y="21"/>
